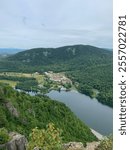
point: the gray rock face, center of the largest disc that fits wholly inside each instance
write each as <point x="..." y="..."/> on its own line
<point x="73" y="146"/>
<point x="92" y="145"/>
<point x="17" y="142"/>
<point x="12" y="109"/>
<point x="79" y="146"/>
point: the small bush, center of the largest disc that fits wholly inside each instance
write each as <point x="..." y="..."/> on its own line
<point x="48" y="139"/>
<point x="4" y="136"/>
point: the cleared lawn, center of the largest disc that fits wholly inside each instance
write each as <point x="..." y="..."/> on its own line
<point x="11" y="83"/>
<point x="17" y="74"/>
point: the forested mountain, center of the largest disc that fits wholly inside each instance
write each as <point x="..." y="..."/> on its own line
<point x="21" y="112"/>
<point x="90" y="68"/>
<point x="46" y="56"/>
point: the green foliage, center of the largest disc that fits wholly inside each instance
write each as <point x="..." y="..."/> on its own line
<point x="67" y="86"/>
<point x="45" y="139"/>
<point x="3" y="119"/>
<point x="29" y="85"/>
<point x="98" y="77"/>
<point x="4" y="136"/>
<point x="106" y="144"/>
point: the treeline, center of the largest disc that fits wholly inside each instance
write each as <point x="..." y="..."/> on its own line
<point x="16" y="78"/>
<point x="29" y="85"/>
<point x="38" y="111"/>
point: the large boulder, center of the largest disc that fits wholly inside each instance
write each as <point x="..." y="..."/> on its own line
<point x="17" y="142"/>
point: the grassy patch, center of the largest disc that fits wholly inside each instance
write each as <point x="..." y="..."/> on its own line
<point x="38" y="77"/>
<point x="11" y="83"/>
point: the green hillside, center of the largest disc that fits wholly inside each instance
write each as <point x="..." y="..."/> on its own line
<point x="21" y="112"/>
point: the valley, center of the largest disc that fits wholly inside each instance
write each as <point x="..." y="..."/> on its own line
<point x="89" y="68"/>
<point x="57" y="86"/>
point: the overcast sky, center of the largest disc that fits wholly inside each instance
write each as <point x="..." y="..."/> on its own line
<point x="54" y="23"/>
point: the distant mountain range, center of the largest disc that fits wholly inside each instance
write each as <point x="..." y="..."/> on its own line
<point x="4" y="51"/>
<point x="108" y="49"/>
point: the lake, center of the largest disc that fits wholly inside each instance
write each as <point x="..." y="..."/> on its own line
<point x="96" y="115"/>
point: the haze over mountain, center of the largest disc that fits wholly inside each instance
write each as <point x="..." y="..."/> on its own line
<point x="4" y="51"/>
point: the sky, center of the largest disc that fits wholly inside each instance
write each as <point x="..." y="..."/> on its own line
<point x="55" y="23"/>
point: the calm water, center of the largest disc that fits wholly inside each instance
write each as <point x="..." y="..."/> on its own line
<point x="94" y="114"/>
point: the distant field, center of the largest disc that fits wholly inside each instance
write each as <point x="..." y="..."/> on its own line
<point x="11" y="83"/>
<point x="16" y="74"/>
<point x="38" y="77"/>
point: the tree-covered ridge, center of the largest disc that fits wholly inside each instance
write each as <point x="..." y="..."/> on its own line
<point x="90" y="68"/>
<point x="21" y="112"/>
<point x="46" y="56"/>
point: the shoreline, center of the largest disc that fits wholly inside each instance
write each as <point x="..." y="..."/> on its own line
<point x="97" y="134"/>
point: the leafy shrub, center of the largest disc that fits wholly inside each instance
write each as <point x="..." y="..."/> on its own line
<point x="4" y="136"/>
<point x="106" y="144"/>
<point x="3" y="119"/>
<point x="45" y="139"/>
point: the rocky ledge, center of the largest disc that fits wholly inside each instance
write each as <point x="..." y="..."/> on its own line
<point x="79" y="146"/>
<point x="19" y="142"/>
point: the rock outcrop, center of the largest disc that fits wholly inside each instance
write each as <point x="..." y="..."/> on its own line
<point x="73" y="146"/>
<point x="17" y="142"/>
<point x="79" y="146"/>
<point x="92" y="145"/>
<point x="12" y="109"/>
